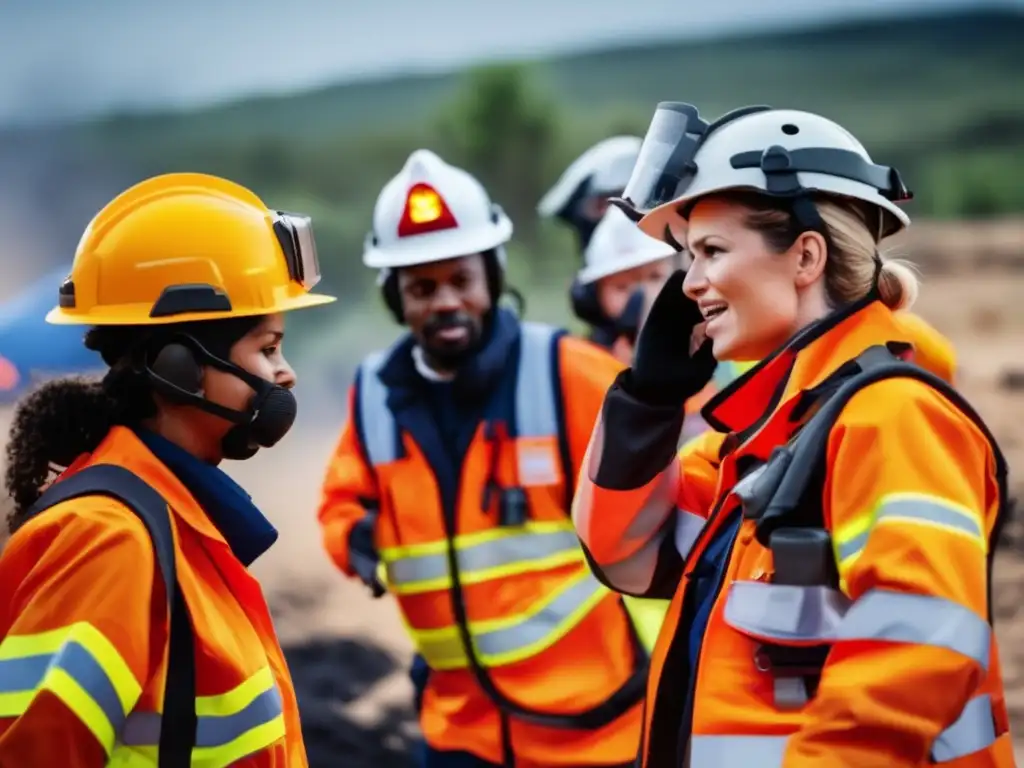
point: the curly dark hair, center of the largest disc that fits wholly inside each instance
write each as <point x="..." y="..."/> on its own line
<point x="66" y="417"/>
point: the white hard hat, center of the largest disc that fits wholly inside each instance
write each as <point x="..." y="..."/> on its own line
<point x="604" y="169"/>
<point x="778" y="152"/>
<point x="432" y="211"/>
<point x="618" y="245"/>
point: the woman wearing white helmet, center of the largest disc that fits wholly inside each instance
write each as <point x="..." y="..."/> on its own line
<point x="830" y="577"/>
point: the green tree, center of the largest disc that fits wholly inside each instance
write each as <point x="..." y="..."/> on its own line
<point x="502" y="129"/>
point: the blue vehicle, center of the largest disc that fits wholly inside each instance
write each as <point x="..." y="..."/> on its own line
<point x="32" y="350"/>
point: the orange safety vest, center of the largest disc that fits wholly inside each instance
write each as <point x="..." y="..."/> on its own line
<point x="519" y="635"/>
<point x="931" y="350"/>
<point x="909" y="668"/>
<point x="84" y="635"/>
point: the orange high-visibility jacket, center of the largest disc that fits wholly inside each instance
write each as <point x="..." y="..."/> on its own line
<point x="931" y="350"/>
<point x="84" y="633"/>
<point x="910" y="500"/>
<point x="546" y="635"/>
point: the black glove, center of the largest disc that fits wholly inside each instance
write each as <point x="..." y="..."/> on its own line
<point x="363" y="553"/>
<point x="664" y="372"/>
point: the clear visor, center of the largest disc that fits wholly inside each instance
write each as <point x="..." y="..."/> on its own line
<point x="295" y="233"/>
<point x="665" y="168"/>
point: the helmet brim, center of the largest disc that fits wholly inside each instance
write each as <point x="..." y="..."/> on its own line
<point x="138" y="314"/>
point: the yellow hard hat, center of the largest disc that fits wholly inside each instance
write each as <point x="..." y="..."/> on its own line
<point x="188" y="246"/>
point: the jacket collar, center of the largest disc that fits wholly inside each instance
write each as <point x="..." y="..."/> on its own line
<point x="201" y="495"/>
<point x="803" y="363"/>
<point x="476" y="377"/>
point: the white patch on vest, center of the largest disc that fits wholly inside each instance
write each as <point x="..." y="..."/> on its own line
<point x="538" y="465"/>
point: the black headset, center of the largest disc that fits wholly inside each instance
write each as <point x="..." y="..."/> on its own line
<point x="175" y="372"/>
<point x="493" y="271"/>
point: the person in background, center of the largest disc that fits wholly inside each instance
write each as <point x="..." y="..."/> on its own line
<point x="579" y="201"/>
<point x="580" y="197"/>
<point x="183" y="281"/>
<point x="455" y="470"/>
<point x="621" y="265"/>
<point x="830" y="577"/>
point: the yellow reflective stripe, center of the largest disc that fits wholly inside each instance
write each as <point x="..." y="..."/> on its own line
<point x="647" y="614"/>
<point x="491" y="554"/>
<point x="125" y="757"/>
<point x="513" y="638"/>
<point x="471" y="539"/>
<point x="238" y="698"/>
<point x="232" y="725"/>
<point x="14" y="704"/>
<point x="923" y="509"/>
<point x="849" y="541"/>
<point x="78" y="665"/>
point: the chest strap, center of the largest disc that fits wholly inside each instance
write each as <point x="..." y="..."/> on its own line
<point x="179" y="719"/>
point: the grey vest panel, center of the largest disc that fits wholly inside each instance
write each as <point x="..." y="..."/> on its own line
<point x="536" y="409"/>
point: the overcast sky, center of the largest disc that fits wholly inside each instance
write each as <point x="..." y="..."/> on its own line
<point x="68" y="58"/>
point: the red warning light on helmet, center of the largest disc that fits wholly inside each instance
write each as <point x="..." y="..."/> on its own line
<point x="425" y="211"/>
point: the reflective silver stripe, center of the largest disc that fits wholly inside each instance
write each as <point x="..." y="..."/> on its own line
<point x="781" y="613"/>
<point x="920" y="619"/>
<point x="142" y="729"/>
<point x="790" y="692"/>
<point x="746" y="751"/>
<point x="633" y="575"/>
<point x="534" y="629"/>
<point x="784" y="613"/>
<point x="921" y="508"/>
<point x="688" y="528"/>
<point x="848" y="549"/>
<point x="915" y="507"/>
<point x="375" y="419"/>
<point x="513" y="548"/>
<point x="536" y="409"/>
<point x="973" y="731"/>
<point x="535" y="403"/>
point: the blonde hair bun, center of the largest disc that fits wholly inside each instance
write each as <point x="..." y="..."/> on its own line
<point x="898" y="284"/>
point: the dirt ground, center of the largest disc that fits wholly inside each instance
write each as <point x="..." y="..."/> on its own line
<point x="973" y="291"/>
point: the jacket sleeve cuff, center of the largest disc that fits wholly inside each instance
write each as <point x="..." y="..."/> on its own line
<point x="640" y="439"/>
<point x="335" y="539"/>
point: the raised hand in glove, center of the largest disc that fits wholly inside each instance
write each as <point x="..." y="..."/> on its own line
<point x="363" y="553"/>
<point x="670" y="365"/>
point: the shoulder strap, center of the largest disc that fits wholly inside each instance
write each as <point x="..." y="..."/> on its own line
<point x="179" y="721"/>
<point x="539" y="406"/>
<point x="375" y="424"/>
<point x="808" y="451"/>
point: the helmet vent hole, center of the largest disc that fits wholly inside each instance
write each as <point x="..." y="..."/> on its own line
<point x="790" y="130"/>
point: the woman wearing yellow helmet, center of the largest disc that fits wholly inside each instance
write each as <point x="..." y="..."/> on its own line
<point x="131" y="632"/>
